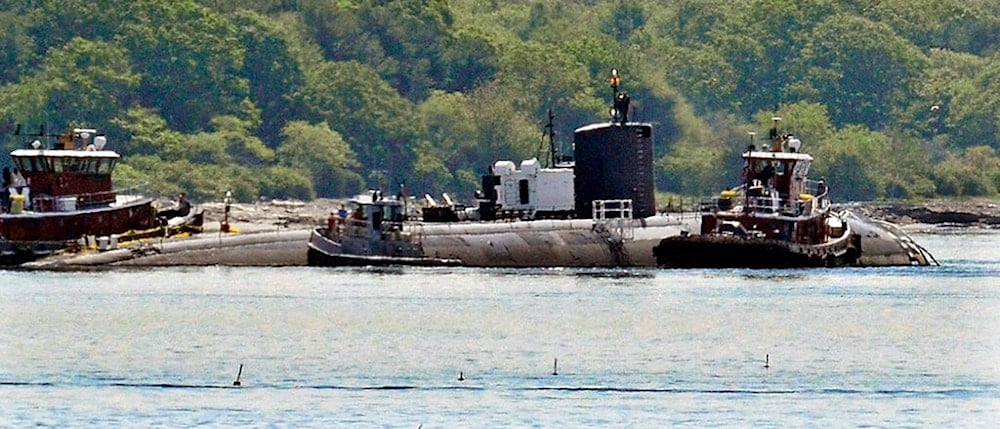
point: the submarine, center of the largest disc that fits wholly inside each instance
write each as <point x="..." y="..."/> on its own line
<point x="595" y="210"/>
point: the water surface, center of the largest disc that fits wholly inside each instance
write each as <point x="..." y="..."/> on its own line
<point x="385" y="347"/>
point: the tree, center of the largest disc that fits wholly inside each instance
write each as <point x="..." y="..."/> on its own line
<point x="144" y="132"/>
<point x="375" y="120"/>
<point x="974" y="173"/>
<point x="189" y="58"/>
<point x="761" y="41"/>
<point x="81" y="83"/>
<point x="854" y="161"/>
<point x="241" y="145"/>
<point x="451" y="142"/>
<point x="53" y="23"/>
<point x="272" y="72"/>
<point x="626" y="17"/>
<point x="17" y="53"/>
<point x="974" y="112"/>
<point x="861" y="69"/>
<point x="955" y="25"/>
<point x="468" y="60"/>
<point x="324" y="155"/>
<point x="540" y="77"/>
<point x="401" y="40"/>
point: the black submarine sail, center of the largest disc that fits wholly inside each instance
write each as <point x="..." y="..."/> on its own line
<point x="614" y="160"/>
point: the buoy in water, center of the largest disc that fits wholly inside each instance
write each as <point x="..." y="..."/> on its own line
<point x="767" y="361"/>
<point x="555" y="366"/>
<point x="461" y="376"/>
<point x="238" y="374"/>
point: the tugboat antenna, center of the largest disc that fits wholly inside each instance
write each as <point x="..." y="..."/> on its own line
<point x="551" y="132"/>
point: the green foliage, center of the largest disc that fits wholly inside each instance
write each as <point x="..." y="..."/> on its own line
<point x="322" y="156"/>
<point x="286" y="182"/>
<point x="189" y="58"/>
<point x="974" y="173"/>
<point x="691" y="169"/>
<point x="891" y="69"/>
<point x="299" y="98"/>
<point x="83" y="82"/>
<point x="17" y="54"/>
<point x="974" y="110"/>
<point x="853" y="161"/>
<point x="957" y="25"/>
<point x="403" y="40"/>
<point x="148" y="134"/>
<point x="272" y="72"/>
<point x="379" y="123"/>
<point x="246" y="149"/>
<point x="626" y="17"/>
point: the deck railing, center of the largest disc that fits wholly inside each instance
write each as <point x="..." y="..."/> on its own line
<point x="71" y="202"/>
<point x="614" y="217"/>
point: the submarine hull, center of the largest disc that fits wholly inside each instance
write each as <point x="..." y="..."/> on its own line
<point x="549" y="243"/>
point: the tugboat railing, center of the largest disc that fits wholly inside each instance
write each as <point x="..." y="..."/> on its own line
<point x="763" y="204"/>
<point x="48" y="203"/>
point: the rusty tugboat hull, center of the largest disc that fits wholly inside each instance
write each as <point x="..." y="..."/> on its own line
<point x="720" y="251"/>
<point x="29" y="236"/>
<point x="778" y="218"/>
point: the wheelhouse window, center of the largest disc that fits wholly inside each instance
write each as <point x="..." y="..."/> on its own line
<point x="30" y="164"/>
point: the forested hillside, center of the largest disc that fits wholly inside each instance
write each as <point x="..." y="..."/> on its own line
<point x="307" y="98"/>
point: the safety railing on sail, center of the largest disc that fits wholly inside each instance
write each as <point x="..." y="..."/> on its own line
<point x="615" y="216"/>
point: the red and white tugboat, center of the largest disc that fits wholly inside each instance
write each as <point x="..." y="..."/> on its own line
<point x="56" y="196"/>
<point x="778" y="218"/>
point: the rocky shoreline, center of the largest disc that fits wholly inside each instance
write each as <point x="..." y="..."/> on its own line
<point x="983" y="213"/>
<point x="294" y="214"/>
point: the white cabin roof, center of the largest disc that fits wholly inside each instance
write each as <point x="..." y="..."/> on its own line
<point x="61" y="153"/>
<point x="783" y="156"/>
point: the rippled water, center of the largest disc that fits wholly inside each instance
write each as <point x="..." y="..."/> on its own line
<point x="385" y="347"/>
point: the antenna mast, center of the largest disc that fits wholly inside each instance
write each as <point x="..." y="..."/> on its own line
<point x="550" y="130"/>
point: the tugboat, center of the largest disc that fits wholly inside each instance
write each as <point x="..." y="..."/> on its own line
<point x="372" y="234"/>
<point x="779" y="218"/>
<point x="56" y="196"/>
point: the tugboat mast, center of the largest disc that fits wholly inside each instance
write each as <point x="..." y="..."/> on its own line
<point x="550" y="131"/>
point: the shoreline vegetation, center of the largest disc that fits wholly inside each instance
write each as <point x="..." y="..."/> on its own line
<point x="277" y="215"/>
<point x="318" y="99"/>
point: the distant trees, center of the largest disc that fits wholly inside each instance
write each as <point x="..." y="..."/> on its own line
<point x="304" y="98"/>
<point x="80" y="82"/>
